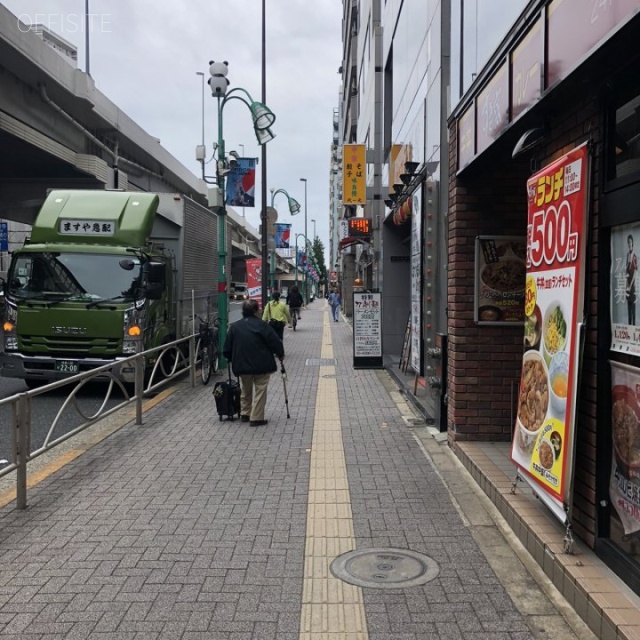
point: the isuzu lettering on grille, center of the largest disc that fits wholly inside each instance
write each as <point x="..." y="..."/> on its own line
<point x="69" y="331"/>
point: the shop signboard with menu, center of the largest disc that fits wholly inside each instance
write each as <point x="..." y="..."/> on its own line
<point x="500" y="273"/>
<point x="624" y="484"/>
<point x="543" y="441"/>
<point x="367" y="330"/>
<point x="625" y="289"/>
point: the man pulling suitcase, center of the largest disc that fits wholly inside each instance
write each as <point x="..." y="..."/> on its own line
<point x="250" y="347"/>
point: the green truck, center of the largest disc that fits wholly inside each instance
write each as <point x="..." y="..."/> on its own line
<point x="100" y="269"/>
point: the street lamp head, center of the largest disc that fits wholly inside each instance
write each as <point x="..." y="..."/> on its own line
<point x="294" y="206"/>
<point x="263" y="117"/>
<point x="264" y="135"/>
<point x="218" y="80"/>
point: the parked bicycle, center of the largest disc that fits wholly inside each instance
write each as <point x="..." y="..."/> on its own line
<point x="208" y="348"/>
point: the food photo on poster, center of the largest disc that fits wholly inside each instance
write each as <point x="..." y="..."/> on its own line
<point x="625" y="331"/>
<point x="624" y="485"/>
<point x="500" y="271"/>
<point x="544" y="384"/>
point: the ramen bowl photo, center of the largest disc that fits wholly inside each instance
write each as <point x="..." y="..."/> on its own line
<point x="559" y="381"/>
<point x="554" y="331"/>
<point x="625" y="428"/>
<point x="533" y="400"/>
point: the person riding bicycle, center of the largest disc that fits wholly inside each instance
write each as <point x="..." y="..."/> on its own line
<point x="294" y="300"/>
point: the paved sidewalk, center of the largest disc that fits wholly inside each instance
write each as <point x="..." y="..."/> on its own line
<point x="192" y="528"/>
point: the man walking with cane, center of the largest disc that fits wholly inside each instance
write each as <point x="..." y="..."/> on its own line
<point x="250" y="347"/>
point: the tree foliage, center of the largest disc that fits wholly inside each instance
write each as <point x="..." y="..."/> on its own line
<point x="318" y="253"/>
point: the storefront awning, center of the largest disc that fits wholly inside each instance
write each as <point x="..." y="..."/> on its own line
<point x="350" y="240"/>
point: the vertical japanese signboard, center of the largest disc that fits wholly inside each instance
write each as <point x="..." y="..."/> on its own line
<point x="416" y="286"/>
<point x="367" y="330"/>
<point x="542" y="446"/>
<point x="254" y="278"/>
<point x="4" y="236"/>
<point x="354" y="174"/>
<point x="625" y="286"/>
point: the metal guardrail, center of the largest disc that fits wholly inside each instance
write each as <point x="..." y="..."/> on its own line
<point x="171" y="363"/>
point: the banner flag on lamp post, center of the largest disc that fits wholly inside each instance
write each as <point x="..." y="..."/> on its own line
<point x="241" y="184"/>
<point x="282" y="235"/>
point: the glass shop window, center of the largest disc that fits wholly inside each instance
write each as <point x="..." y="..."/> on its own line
<point x="627" y="140"/>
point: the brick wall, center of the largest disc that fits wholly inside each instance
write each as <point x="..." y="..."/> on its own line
<point x="489" y="197"/>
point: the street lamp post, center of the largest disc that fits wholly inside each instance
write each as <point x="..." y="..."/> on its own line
<point x="314" y="229"/>
<point x="306" y="296"/>
<point x="263" y="118"/>
<point x="294" y="208"/>
<point x="306" y="242"/>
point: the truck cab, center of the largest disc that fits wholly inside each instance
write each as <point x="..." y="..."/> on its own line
<point x="87" y="289"/>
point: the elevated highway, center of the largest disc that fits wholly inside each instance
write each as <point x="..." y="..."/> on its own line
<point x="58" y="131"/>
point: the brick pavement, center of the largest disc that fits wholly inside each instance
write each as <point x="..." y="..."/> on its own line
<point x="192" y="528"/>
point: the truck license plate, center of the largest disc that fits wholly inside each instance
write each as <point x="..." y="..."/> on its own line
<point x="67" y="366"/>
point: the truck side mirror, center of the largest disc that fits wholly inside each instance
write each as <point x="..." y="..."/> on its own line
<point x="127" y="264"/>
<point x="155" y="280"/>
<point x="156" y="273"/>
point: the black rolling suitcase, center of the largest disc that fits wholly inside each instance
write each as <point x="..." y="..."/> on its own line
<point x="227" y="396"/>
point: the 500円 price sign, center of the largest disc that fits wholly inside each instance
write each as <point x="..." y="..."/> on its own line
<point x="367" y="330"/>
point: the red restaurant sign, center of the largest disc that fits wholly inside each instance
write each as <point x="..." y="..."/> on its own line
<point x="542" y="445"/>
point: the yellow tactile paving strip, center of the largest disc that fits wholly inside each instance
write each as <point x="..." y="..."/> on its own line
<point x="331" y="608"/>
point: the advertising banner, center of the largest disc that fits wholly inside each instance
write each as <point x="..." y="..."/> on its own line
<point x="625" y="333"/>
<point x="282" y="235"/>
<point x="624" y="485"/>
<point x="542" y="445"/>
<point x="500" y="279"/>
<point x="354" y="174"/>
<point x="254" y="278"/>
<point x="415" y="357"/>
<point x="367" y="330"/>
<point x="241" y="184"/>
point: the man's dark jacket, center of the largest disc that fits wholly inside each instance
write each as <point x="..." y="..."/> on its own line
<point x="250" y="346"/>
<point x="294" y="299"/>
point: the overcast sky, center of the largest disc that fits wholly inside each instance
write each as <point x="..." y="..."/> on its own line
<point x="145" y="55"/>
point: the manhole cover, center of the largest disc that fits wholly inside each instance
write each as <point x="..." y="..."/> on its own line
<point x="320" y="362"/>
<point x="385" y="568"/>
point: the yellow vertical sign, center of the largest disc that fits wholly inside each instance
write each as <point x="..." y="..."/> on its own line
<point x="354" y="174"/>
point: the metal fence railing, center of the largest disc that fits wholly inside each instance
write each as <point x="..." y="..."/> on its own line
<point x="172" y="360"/>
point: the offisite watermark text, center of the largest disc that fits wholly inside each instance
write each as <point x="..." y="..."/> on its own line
<point x="66" y="22"/>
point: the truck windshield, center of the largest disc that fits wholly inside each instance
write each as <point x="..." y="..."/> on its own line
<point x="73" y="275"/>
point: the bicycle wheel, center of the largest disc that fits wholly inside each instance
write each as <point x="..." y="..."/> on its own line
<point x="205" y="365"/>
<point x="294" y="320"/>
<point x="215" y="359"/>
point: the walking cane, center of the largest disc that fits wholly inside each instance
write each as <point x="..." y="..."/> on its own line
<point x="284" y="384"/>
